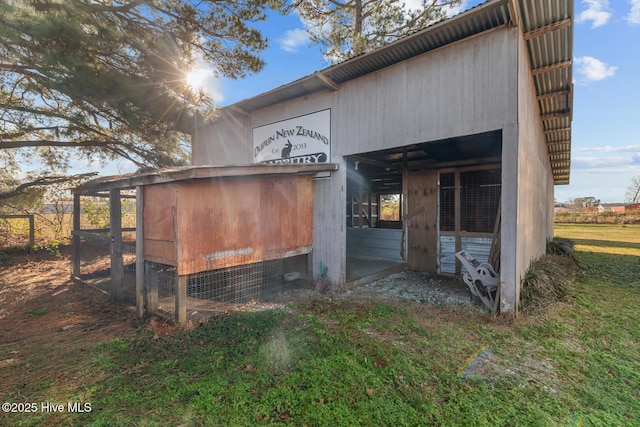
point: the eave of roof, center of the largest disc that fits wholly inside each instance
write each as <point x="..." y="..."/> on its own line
<point x="546" y="25"/>
<point x="163" y="176"/>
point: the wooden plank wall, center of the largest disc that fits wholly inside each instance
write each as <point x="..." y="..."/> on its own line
<point x="421" y="220"/>
<point x="159" y="234"/>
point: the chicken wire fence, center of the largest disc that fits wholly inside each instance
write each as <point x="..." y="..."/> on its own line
<point x="214" y="291"/>
<point x="95" y="266"/>
<point x="209" y="292"/>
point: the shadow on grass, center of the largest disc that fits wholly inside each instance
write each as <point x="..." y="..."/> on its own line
<point x="606" y="243"/>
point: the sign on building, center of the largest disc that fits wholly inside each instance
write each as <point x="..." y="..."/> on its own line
<point x="303" y="139"/>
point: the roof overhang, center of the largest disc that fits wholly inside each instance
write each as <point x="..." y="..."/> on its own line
<point x="547" y="28"/>
<point x="163" y="176"/>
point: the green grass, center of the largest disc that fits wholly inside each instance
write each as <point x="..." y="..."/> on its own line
<point x="372" y="363"/>
<point x="600" y="238"/>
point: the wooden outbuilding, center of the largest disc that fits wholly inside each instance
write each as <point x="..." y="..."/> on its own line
<point x="200" y="219"/>
<point x="449" y="139"/>
<point x="466" y="124"/>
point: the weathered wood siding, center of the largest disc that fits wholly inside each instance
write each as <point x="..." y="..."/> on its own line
<point x="227" y="142"/>
<point x="421" y="196"/>
<point x="160" y="203"/>
<point x="464" y="88"/>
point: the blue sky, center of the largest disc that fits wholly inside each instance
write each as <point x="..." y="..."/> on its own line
<point x="606" y="111"/>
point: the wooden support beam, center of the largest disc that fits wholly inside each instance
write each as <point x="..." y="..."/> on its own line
<point x="75" y="240"/>
<point x="515" y="17"/>
<point x="361" y="211"/>
<point x="360" y="208"/>
<point x="181" y="300"/>
<point x="117" y="264"/>
<point x="106" y="230"/>
<point x="555" y="115"/>
<point x="375" y="163"/>
<point x="551" y="67"/>
<point x="152" y="292"/>
<point x="565" y="23"/>
<point x="326" y="81"/>
<point x="564" y="141"/>
<point x="140" y="251"/>
<point x="556" y="94"/>
<point x="557" y="130"/>
<point x="457" y="215"/>
<point x="310" y="277"/>
<point x="32" y="232"/>
<point x="486" y="163"/>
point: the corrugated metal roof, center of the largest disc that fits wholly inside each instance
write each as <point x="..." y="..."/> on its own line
<point x="547" y="26"/>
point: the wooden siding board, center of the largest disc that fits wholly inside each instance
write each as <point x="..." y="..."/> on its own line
<point x="421" y="225"/>
<point x="159" y="202"/>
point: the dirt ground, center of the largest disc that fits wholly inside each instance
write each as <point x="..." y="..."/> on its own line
<point x="40" y="306"/>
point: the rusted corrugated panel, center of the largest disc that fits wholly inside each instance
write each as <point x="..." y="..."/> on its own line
<point x="227" y="222"/>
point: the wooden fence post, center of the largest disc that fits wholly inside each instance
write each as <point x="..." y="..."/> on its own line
<point x="140" y="251"/>
<point x="117" y="264"/>
<point x="75" y="242"/>
<point x="181" y="300"/>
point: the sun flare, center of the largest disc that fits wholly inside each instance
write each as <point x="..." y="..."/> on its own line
<point x="196" y="78"/>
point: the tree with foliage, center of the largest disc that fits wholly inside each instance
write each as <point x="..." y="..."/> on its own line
<point x="633" y="191"/>
<point x="106" y="78"/>
<point x="588" y="203"/>
<point x="353" y="27"/>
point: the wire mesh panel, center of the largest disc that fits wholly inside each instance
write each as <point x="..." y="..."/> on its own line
<point x="447" y="202"/>
<point x="221" y="290"/>
<point x="126" y="295"/>
<point x="95" y="258"/>
<point x="240" y="284"/>
<point x="160" y="281"/>
<point x="105" y="256"/>
<point x="479" y="200"/>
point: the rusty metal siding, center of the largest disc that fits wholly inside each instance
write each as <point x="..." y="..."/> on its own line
<point x="210" y="224"/>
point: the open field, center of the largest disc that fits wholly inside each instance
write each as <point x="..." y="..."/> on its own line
<point x="612" y="239"/>
<point x="330" y="360"/>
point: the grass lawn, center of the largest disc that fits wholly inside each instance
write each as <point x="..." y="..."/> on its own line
<point x="382" y="362"/>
